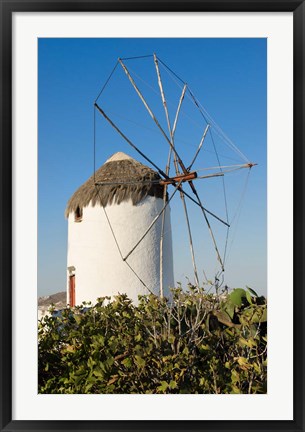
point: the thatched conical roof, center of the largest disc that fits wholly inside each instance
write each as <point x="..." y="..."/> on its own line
<point x="119" y="168"/>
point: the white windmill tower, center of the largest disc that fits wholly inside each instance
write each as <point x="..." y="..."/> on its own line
<point x="110" y="249"/>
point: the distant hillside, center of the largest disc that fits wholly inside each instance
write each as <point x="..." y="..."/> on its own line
<point x="59" y="297"/>
<point x="59" y="300"/>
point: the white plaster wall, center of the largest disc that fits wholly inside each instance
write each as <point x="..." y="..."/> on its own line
<point x="99" y="269"/>
<point x="42" y="312"/>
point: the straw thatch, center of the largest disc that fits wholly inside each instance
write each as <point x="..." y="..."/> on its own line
<point x="123" y="170"/>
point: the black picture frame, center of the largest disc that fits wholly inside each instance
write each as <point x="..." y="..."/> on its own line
<point x="8" y="7"/>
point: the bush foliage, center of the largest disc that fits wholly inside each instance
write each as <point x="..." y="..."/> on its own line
<point x="196" y="343"/>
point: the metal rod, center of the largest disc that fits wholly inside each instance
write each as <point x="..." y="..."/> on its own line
<point x="161" y="243"/>
<point x="199" y="147"/>
<point x="153" y="164"/>
<point x="160" y="181"/>
<point x="170" y="70"/>
<point x="110" y="226"/>
<point x="247" y="165"/>
<point x="151" y="224"/>
<point x="163" y="96"/>
<point x="129" y="142"/>
<point x="167" y="170"/>
<point x="210" y="230"/>
<point x="137" y="57"/>
<point x="170" y="180"/>
<point x="178" y="110"/>
<point x="177" y="159"/>
<point x="171" y="143"/>
<point x="151" y="113"/>
<point x="163" y="223"/>
<point x="162" y="232"/>
<point x="179" y="188"/>
<point x="220" y="174"/>
<point x="190" y="239"/>
<point x="205" y="209"/>
<point x="188" y="227"/>
<point x="142" y="99"/>
<point x="119" y="249"/>
<point x="138" y="277"/>
<point x="107" y="81"/>
<point x="220" y="131"/>
<point x="228" y="170"/>
<point x="197" y="104"/>
<point x="137" y="182"/>
<point x="178" y="177"/>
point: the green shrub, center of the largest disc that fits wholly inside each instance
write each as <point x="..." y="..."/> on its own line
<point x="197" y="343"/>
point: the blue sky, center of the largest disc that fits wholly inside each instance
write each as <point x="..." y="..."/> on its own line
<point x="228" y="77"/>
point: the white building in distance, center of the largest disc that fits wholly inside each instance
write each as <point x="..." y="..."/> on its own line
<point x="105" y="222"/>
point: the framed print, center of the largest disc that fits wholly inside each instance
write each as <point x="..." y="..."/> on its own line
<point x="89" y="90"/>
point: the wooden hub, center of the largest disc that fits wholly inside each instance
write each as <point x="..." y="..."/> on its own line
<point x="180" y="178"/>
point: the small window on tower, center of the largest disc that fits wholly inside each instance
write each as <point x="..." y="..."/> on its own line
<point x="78" y="214"/>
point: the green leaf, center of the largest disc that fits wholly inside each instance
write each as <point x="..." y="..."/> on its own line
<point x="163" y="387"/>
<point x="224" y="316"/>
<point x="229" y="308"/>
<point x="127" y="362"/>
<point x="204" y="347"/>
<point x="171" y="339"/>
<point x="173" y="384"/>
<point x="237" y="295"/>
<point x="235" y="390"/>
<point x="264" y="316"/>
<point x="234" y="376"/>
<point x="98" y="373"/>
<point x="248" y="296"/>
<point x="257" y="314"/>
<point x="109" y="362"/>
<point x="243" y="362"/>
<point x="252" y="291"/>
<point x="140" y="362"/>
<point x="90" y="363"/>
<point x="88" y="387"/>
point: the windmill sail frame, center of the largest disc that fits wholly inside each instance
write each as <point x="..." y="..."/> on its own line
<point x="187" y="176"/>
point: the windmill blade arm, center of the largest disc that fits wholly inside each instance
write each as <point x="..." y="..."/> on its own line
<point x="129" y="142"/>
<point x="152" y="114"/>
<point x="202" y="207"/>
<point x="209" y="227"/>
<point x="135" y="182"/>
<point x="171" y="130"/>
<point x="142" y="98"/>
<point x="152" y="223"/>
<point x="230" y="167"/>
<point x="220" y="174"/>
<point x="221" y="167"/>
<point x="199" y="147"/>
<point x="152" y="163"/>
<point x="162" y="95"/>
<point x="178" y="109"/>
<point x="190" y="237"/>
